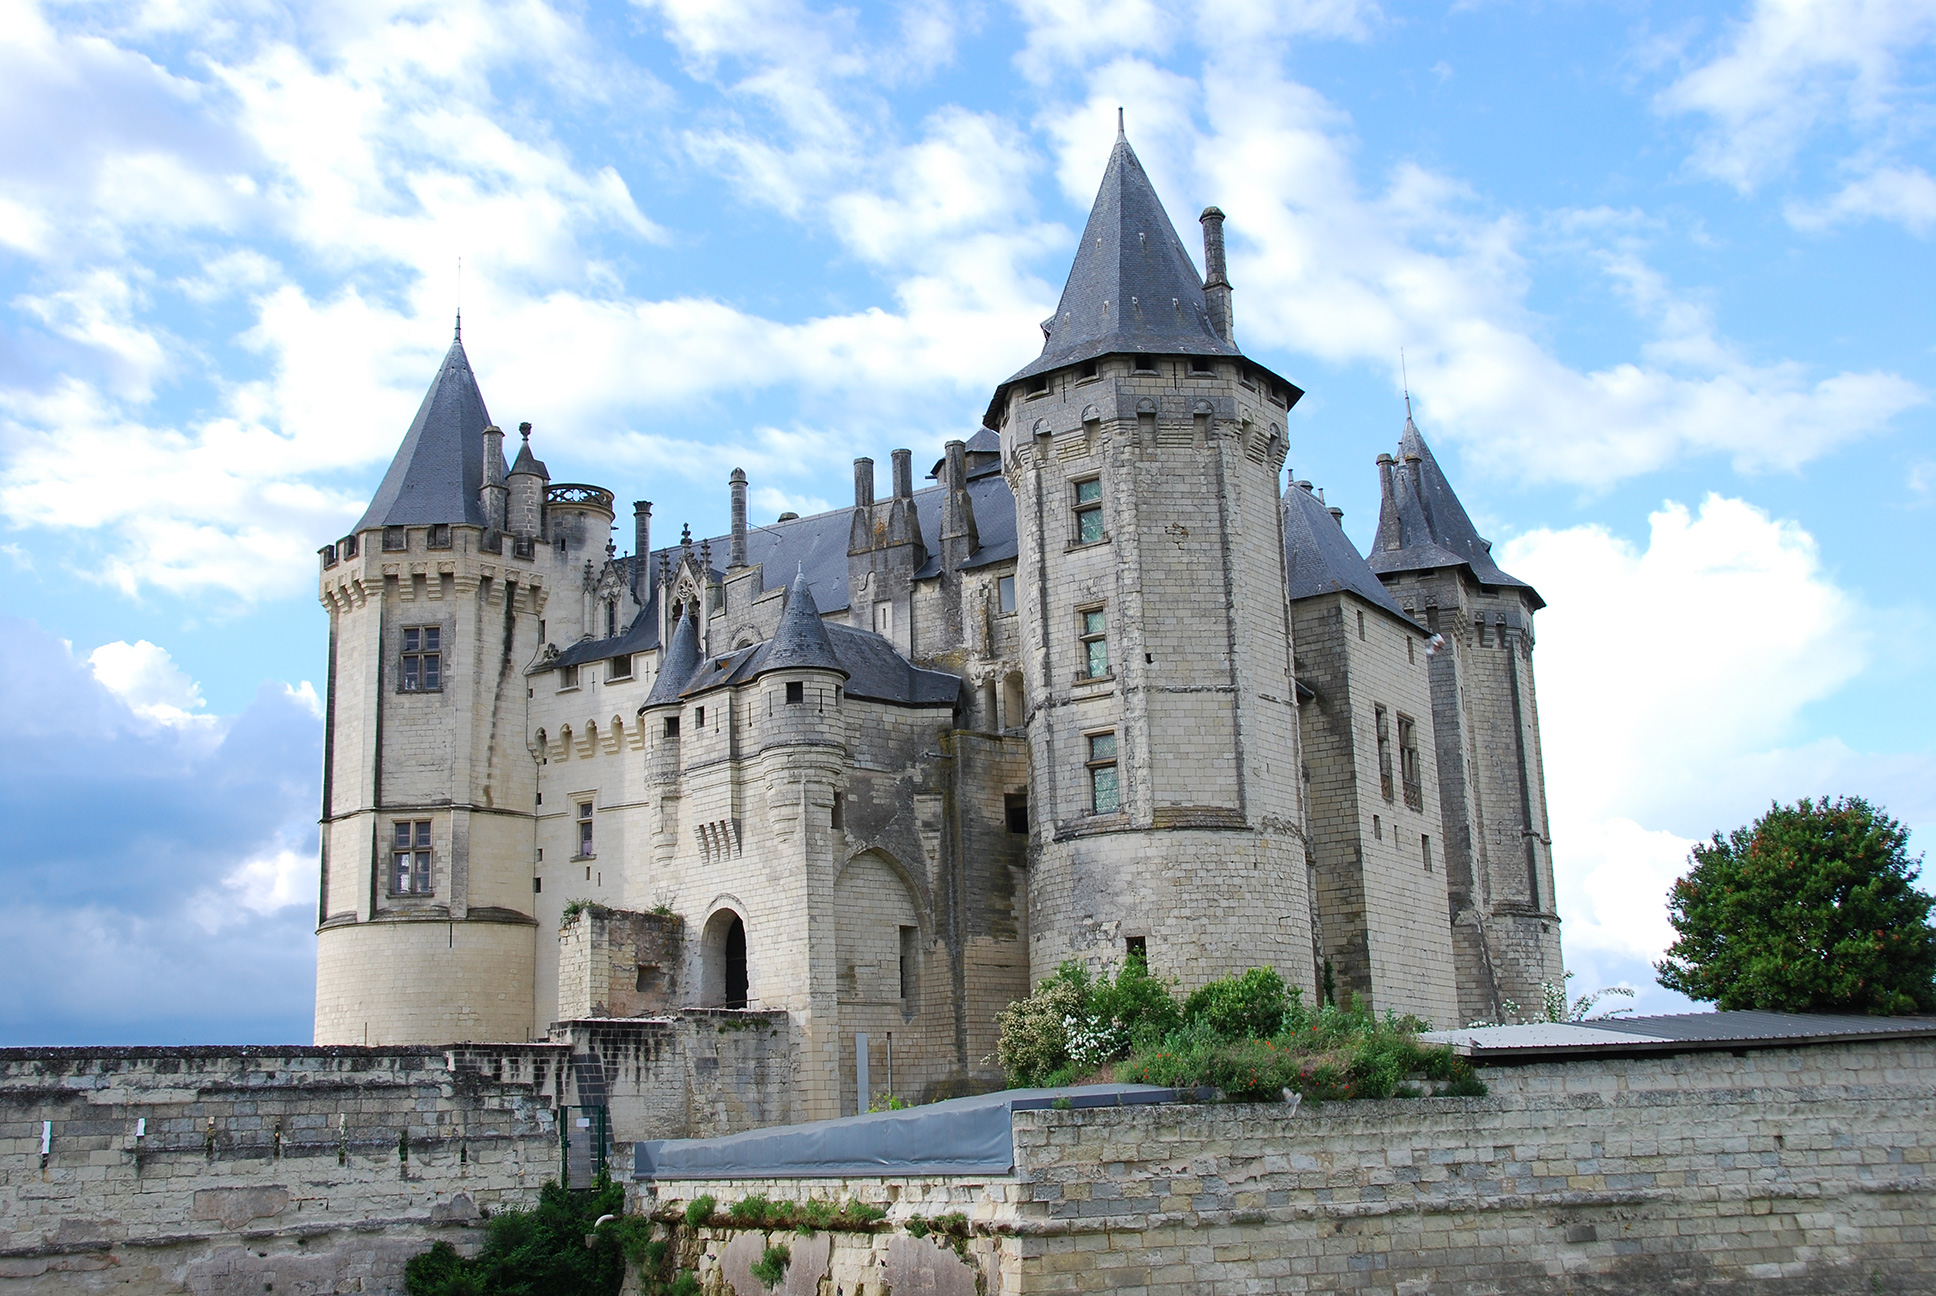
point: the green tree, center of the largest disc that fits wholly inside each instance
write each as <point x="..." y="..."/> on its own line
<point x="1808" y="909"/>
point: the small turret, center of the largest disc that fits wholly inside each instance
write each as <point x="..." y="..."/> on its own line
<point x="526" y="492"/>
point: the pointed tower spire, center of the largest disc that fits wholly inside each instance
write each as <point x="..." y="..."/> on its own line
<point x="438" y="471"/>
<point x="1133" y="287"/>
<point x="1422" y="524"/>
<point x="800" y="642"/>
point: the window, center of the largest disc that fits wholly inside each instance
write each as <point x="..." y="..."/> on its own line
<point x="839" y="817"/>
<point x="1103" y="795"/>
<point x="394" y="538"/>
<point x="410" y="858"/>
<point x="699" y="717"/>
<point x="348" y="547"/>
<point x="1038" y="385"/>
<point x="1094" y="662"/>
<point x="440" y="536"/>
<point x="1200" y="364"/>
<point x="672" y="726"/>
<point x="1411" y="651"/>
<point x="329" y="555"/>
<point x="1425" y="851"/>
<point x="1136" y="950"/>
<point x="1361" y="625"/>
<point x="567" y="677"/>
<point x="1089" y="511"/>
<point x="1383" y="722"/>
<point x="1377" y="828"/>
<point x="611" y="618"/>
<point x="908" y="952"/>
<point x="423" y="659"/>
<point x="1408" y="762"/>
<point x="584" y="830"/>
<point x="621" y="668"/>
<point x="883" y="618"/>
<point x="1015" y="807"/>
<point x="537" y="885"/>
<point x="1145" y="364"/>
<point x="796" y="692"/>
<point x="1087" y="371"/>
<point x="1005" y="594"/>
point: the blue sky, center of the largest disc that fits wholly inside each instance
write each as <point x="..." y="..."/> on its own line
<point x="1660" y="273"/>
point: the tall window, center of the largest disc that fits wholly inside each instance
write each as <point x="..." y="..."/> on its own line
<point x="1089" y="511"/>
<point x="1103" y="795"/>
<point x="410" y="858"/>
<point x="584" y="829"/>
<point x="1408" y="762"/>
<point x="1095" y="644"/>
<point x="1383" y="721"/>
<point x="611" y="617"/>
<point x="423" y="659"/>
<point x="909" y="952"/>
<point x="1005" y="594"/>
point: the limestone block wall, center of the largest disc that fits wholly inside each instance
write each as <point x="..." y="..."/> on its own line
<point x="246" y="1170"/>
<point x="618" y="963"/>
<point x="1783" y="1170"/>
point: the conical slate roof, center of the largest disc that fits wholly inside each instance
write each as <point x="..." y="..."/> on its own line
<point x="1320" y="557"/>
<point x="800" y="642"/>
<point x="1421" y="523"/>
<point x="528" y="462"/>
<point x="439" y="468"/>
<point x="1133" y="286"/>
<point x="681" y="660"/>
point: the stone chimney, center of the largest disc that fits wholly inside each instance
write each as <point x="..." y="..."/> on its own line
<point x="860" y="534"/>
<point x="1216" y="280"/>
<point x="493" y="494"/>
<point x="736" y="556"/>
<point x="642" y="574"/>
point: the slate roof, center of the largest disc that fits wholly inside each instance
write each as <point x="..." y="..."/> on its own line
<point x="1422" y="525"/>
<point x="800" y="641"/>
<point x="681" y="660"/>
<point x="1133" y="286"/>
<point x="528" y="462"/>
<point x="1675" y="1033"/>
<point x="439" y="469"/>
<point x="1320" y="557"/>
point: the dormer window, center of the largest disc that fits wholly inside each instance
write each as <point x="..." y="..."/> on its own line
<point x="1200" y="365"/>
<point x="1037" y="386"/>
<point x="394" y="539"/>
<point x="1145" y="364"/>
<point x="348" y="547"/>
<point x="1087" y="371"/>
<point x="440" y="536"/>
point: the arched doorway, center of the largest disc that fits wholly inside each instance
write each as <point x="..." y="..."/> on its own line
<point x="723" y="979"/>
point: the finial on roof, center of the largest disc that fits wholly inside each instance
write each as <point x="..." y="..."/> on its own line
<point x="524" y="430"/>
<point x="1121" y="137"/>
<point x="685" y="536"/>
<point x="459" y="336"/>
<point x="1406" y="380"/>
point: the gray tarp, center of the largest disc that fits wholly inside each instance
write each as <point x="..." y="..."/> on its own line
<point x="960" y="1136"/>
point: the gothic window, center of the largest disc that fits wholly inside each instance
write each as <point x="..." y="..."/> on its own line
<point x="585" y="830"/>
<point x="423" y="659"/>
<point x="1103" y="794"/>
<point x="1094" y="662"/>
<point x="410" y="858"/>
<point x="1408" y="762"/>
<point x="1383" y="721"/>
<point x="611" y="618"/>
<point x="1089" y="511"/>
<point x="1005" y="594"/>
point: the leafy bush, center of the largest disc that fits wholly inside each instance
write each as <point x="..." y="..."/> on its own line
<point x="757" y="1212"/>
<point x="1073" y="1025"/>
<point x="771" y="1267"/>
<point x="1251" y="1006"/>
<point x="699" y="1211"/>
<point x="537" y="1252"/>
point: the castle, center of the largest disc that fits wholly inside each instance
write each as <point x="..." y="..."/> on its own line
<point x="1099" y="691"/>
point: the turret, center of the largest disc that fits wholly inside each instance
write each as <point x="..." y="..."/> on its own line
<point x="1165" y="782"/>
<point x="526" y="492"/>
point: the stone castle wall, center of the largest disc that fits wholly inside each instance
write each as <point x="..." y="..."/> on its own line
<point x="1798" y="1170"/>
<point x="322" y="1170"/>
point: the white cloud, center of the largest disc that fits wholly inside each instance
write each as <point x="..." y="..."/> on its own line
<point x="1673" y="679"/>
<point x="1905" y="195"/>
<point x="148" y="680"/>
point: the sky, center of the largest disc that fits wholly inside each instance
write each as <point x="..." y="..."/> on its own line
<point x="1656" y="276"/>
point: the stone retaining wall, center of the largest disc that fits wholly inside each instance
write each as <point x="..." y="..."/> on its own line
<point x="1795" y="1170"/>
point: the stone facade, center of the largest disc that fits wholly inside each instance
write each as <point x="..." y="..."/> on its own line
<point x="1099" y="691"/>
<point x="1782" y="1170"/>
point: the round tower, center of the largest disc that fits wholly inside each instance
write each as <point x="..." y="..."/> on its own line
<point x="1144" y="449"/>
